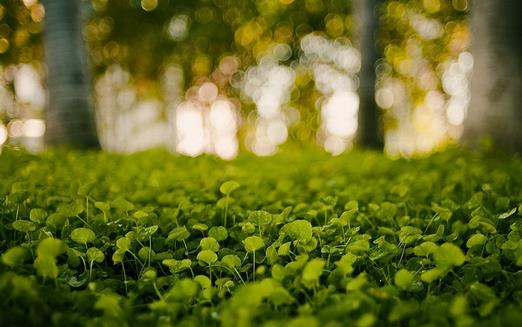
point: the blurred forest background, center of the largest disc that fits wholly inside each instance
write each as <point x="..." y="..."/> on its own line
<point x="222" y="76"/>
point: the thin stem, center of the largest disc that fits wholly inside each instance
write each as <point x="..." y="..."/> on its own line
<point x="87" y="207"/>
<point x="254" y="266"/>
<point x="83" y="221"/>
<point x="124" y="278"/>
<point x="239" y="275"/>
<point x="90" y="269"/>
<point x="226" y="212"/>
<point x="157" y="290"/>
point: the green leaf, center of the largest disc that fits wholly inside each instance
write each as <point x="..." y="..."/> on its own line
<point x="50" y="247"/>
<point x="171" y="263"/>
<point x="311" y="272"/>
<point x="83" y="235"/>
<point x="140" y="214"/>
<point x="476" y="240"/>
<point x="46" y="266"/>
<point x="358" y="246"/>
<point x="231" y="261"/>
<point x="37" y="215"/>
<point x="507" y="214"/>
<point x="260" y="217"/>
<point x="145" y="253"/>
<point x="117" y="256"/>
<point x="56" y="220"/>
<point x="24" y="226"/>
<point x="357" y="283"/>
<point x="185" y="264"/>
<point x="253" y="243"/>
<point x="459" y="306"/>
<point x="425" y="248"/>
<point x="229" y="187"/>
<point x="15" y="256"/>
<point x="203" y="281"/>
<point x="209" y="243"/>
<point x="145" y="233"/>
<point x="207" y="256"/>
<point x="431" y="275"/>
<point x="103" y="206"/>
<point x="443" y="212"/>
<point x="218" y="232"/>
<point x="200" y="227"/>
<point x="84" y="189"/>
<point x="71" y="209"/>
<point x="94" y="254"/>
<point x="345" y="264"/>
<point x="448" y="255"/>
<point x="482" y="292"/>
<point x="122" y="204"/>
<point x="403" y="279"/>
<point x="298" y="230"/>
<point x="284" y="249"/>
<point x="109" y="303"/>
<point x="409" y="234"/>
<point x="178" y="234"/>
<point x="123" y="243"/>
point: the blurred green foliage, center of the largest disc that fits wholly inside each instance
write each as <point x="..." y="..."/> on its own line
<point x="145" y="36"/>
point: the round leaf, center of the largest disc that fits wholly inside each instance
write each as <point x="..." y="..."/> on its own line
<point x="409" y="234"/>
<point x="15" y="256"/>
<point x="475" y="240"/>
<point x="178" y="234"/>
<point x="218" y="232"/>
<point x="209" y="243"/>
<point x="403" y="279"/>
<point x="94" y="254"/>
<point x="37" y="215"/>
<point x="228" y="187"/>
<point x="253" y="243"/>
<point x="83" y="235"/>
<point x="231" y="261"/>
<point x="448" y="255"/>
<point x="123" y="243"/>
<point x="207" y="256"/>
<point x="311" y="272"/>
<point x="298" y="230"/>
<point x="24" y="226"/>
<point x="50" y="247"/>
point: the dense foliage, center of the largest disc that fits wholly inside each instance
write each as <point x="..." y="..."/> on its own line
<point x="299" y="239"/>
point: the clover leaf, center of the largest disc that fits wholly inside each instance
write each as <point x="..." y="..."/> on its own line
<point x="83" y="235"/>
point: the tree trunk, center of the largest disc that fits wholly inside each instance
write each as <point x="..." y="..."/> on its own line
<point x="496" y="86"/>
<point x="70" y="119"/>
<point x="369" y="130"/>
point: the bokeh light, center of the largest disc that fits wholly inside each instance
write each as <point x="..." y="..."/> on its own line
<point x="208" y="77"/>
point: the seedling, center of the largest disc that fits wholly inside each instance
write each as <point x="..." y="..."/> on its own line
<point x="227" y="188"/>
<point x="252" y="244"/>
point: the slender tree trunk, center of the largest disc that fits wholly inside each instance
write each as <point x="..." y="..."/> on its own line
<point x="369" y="131"/>
<point x="496" y="86"/>
<point x="70" y="119"/>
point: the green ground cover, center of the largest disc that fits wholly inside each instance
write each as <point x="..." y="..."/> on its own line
<point x="299" y="239"/>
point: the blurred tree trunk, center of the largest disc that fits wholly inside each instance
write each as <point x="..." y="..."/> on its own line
<point x="70" y="119"/>
<point x="369" y="130"/>
<point x="496" y="86"/>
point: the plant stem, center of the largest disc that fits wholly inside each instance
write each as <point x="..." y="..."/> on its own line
<point x="124" y="278"/>
<point x="254" y="266"/>
<point x="157" y="290"/>
<point x="226" y="212"/>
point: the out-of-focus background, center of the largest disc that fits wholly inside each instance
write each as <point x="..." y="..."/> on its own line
<point x="223" y="76"/>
